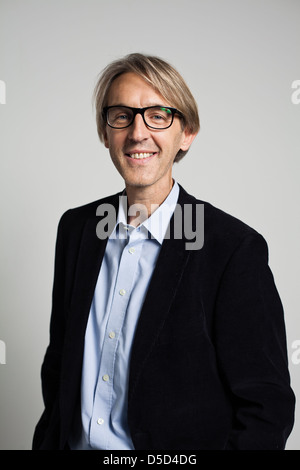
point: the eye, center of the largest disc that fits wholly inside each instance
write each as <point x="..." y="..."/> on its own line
<point x="121" y="117"/>
<point x="159" y="116"/>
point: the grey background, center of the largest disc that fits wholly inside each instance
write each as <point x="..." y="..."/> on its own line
<point x="239" y="57"/>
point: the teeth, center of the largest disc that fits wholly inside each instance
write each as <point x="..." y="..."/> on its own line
<point x="140" y="155"/>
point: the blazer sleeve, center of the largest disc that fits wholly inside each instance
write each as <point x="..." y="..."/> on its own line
<point x="250" y="341"/>
<point x="48" y="424"/>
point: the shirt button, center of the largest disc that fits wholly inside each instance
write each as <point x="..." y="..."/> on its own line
<point x="112" y="334"/>
<point x="100" y="421"/>
<point x="131" y="250"/>
<point x="122" y="292"/>
<point x="105" y="378"/>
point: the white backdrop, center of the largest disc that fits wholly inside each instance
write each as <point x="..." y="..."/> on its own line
<point x="240" y="59"/>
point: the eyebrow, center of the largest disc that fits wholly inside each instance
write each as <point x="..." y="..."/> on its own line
<point x="159" y="105"/>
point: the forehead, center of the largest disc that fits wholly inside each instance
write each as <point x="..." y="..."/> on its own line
<point x="132" y="90"/>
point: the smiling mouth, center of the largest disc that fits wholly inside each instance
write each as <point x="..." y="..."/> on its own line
<point x="140" y="156"/>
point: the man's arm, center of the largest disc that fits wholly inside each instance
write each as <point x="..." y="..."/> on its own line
<point x="50" y="373"/>
<point x="251" y="347"/>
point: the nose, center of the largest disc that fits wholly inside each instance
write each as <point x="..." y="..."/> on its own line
<point x="138" y="130"/>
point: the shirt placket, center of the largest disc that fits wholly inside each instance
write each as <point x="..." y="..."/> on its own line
<point x="101" y="418"/>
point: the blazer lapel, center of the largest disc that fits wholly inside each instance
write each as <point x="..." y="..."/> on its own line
<point x="89" y="262"/>
<point x="165" y="281"/>
<point x="90" y="257"/>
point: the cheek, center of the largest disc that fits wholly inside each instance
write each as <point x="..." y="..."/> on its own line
<point x="174" y="144"/>
<point x="114" y="141"/>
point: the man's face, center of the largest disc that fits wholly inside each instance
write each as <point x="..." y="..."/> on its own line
<point x="160" y="146"/>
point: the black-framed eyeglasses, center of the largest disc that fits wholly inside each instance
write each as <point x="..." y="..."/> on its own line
<point x="155" y="117"/>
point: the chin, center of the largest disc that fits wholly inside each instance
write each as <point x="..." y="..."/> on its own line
<point x="138" y="181"/>
<point x="137" y="184"/>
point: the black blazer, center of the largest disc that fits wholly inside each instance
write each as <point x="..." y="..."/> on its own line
<point x="208" y="368"/>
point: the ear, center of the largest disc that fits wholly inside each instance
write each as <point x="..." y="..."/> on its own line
<point x="187" y="139"/>
<point x="105" y="140"/>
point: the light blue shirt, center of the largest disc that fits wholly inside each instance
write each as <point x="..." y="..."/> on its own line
<point x="124" y="277"/>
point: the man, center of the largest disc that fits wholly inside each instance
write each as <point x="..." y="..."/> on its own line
<point x="157" y="341"/>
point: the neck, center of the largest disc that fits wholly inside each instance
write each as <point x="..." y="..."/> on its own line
<point x="143" y="201"/>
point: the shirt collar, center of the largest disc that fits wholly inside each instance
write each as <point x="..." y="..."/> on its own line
<point x="157" y="224"/>
<point x="159" y="220"/>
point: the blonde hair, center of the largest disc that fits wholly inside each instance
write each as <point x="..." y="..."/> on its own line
<point x="161" y="76"/>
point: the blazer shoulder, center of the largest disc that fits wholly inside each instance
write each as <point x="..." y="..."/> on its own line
<point x="221" y="227"/>
<point x="225" y="223"/>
